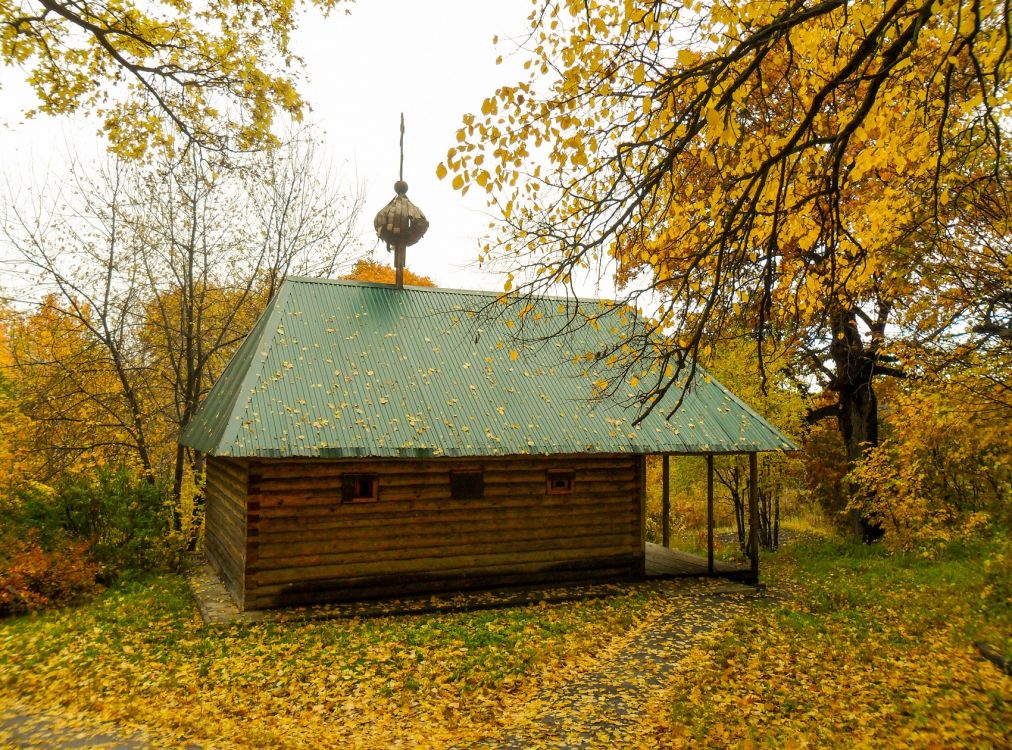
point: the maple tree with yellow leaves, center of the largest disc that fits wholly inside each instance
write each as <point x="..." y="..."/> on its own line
<point x="213" y="73"/>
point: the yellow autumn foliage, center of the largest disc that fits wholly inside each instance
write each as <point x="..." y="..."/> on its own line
<point x="18" y="464"/>
<point x="376" y="272"/>
<point x="64" y="419"/>
<point x="760" y="162"/>
<point x="159" y="72"/>
<point x="945" y="471"/>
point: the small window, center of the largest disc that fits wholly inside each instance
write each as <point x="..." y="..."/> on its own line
<point x="560" y="482"/>
<point x="359" y="488"/>
<point x="467" y="485"/>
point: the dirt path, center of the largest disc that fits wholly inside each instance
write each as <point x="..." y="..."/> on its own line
<point x="24" y="727"/>
<point x="604" y="707"/>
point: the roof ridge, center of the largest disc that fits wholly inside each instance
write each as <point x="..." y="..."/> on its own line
<point x="440" y="290"/>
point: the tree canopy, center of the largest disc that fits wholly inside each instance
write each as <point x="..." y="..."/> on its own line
<point x="157" y="70"/>
<point x="367" y="269"/>
<point x="797" y="169"/>
<point x="151" y="284"/>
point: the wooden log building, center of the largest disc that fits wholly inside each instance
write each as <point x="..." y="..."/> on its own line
<point x="371" y="440"/>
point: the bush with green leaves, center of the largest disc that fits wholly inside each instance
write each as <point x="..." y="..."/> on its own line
<point x="123" y="516"/>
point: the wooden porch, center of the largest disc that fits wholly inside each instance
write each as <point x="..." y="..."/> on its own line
<point x="662" y="562"/>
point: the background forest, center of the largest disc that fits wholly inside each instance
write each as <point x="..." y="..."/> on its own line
<point x="135" y="283"/>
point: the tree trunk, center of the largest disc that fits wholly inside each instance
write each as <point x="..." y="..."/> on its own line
<point x="177" y="487"/>
<point x="731" y="479"/>
<point x="857" y="413"/>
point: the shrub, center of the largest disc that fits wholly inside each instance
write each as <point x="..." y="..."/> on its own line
<point x="123" y="516"/>
<point x="33" y="578"/>
<point x="998" y="576"/>
<point x="944" y="476"/>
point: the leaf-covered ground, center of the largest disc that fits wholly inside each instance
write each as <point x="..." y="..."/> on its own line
<point x="853" y="646"/>
<point x="138" y="656"/>
<point x="857" y="648"/>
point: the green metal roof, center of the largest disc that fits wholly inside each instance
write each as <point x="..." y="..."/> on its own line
<point x="346" y="369"/>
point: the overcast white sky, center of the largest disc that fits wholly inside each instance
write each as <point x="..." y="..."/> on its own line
<point x="432" y="60"/>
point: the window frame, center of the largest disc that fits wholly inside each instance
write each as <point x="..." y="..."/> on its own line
<point x="460" y="492"/>
<point x="351" y="484"/>
<point x="567" y="475"/>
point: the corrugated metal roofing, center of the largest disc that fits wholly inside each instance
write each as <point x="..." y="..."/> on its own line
<point x="343" y="369"/>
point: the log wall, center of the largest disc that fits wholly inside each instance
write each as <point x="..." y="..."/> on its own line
<point x="305" y="545"/>
<point x="225" y="523"/>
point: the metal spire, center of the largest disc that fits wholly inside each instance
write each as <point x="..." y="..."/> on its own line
<point x="400" y="223"/>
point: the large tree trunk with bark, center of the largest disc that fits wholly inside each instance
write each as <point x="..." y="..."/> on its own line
<point x="855" y="367"/>
<point x="858" y="407"/>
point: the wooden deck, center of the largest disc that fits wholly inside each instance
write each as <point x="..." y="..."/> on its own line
<point x="668" y="563"/>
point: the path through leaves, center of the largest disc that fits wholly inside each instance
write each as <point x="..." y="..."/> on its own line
<point x="604" y="706"/>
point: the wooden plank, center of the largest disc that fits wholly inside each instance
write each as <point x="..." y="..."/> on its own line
<point x="459" y="563"/>
<point x="320" y="527"/>
<point x="435" y="539"/>
<point x="422" y="550"/>
<point x="422" y="491"/>
<point x="230" y="573"/>
<point x="437" y="496"/>
<point x="575" y="502"/>
<point x="225" y="529"/>
<point x="226" y="544"/>
<point x="292" y="527"/>
<point x="226" y="489"/>
<point x="231" y="473"/>
<point x="223" y="510"/>
<point x="595" y="478"/>
<point x="432" y="505"/>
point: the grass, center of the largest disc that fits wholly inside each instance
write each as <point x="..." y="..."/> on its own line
<point x="867" y="646"/>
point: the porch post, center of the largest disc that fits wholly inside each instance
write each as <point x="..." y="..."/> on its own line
<point x="709" y="513"/>
<point x="753" y="513"/>
<point x="666" y="502"/>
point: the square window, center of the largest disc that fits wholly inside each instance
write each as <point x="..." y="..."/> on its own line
<point x="467" y="485"/>
<point x="359" y="488"/>
<point x="560" y="482"/>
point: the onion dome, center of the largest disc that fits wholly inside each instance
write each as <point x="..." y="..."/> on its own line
<point x="400" y="223"/>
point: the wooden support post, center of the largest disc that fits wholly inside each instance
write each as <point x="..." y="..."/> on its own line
<point x="709" y="513"/>
<point x="666" y="502"/>
<point x="641" y="472"/>
<point x="399" y="259"/>
<point x="753" y="514"/>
